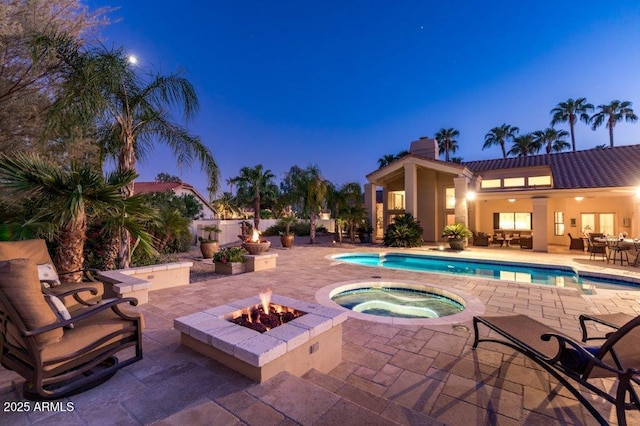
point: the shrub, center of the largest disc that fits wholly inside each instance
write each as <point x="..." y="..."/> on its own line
<point x="230" y="254"/>
<point x="405" y="231"/>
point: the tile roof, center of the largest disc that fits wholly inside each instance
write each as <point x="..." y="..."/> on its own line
<point x="593" y="168"/>
<point x="148" y="187"/>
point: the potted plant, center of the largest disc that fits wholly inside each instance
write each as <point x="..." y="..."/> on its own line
<point x="287" y="237"/>
<point x="456" y="234"/>
<point x="364" y="232"/>
<point x="209" y="245"/>
<point x="229" y="261"/>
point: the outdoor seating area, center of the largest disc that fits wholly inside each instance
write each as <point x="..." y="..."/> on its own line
<point x="408" y="374"/>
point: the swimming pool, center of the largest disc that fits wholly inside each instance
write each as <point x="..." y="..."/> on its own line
<point x="559" y="276"/>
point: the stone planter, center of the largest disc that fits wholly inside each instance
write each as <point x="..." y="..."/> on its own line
<point x="256" y="248"/>
<point x="208" y="249"/>
<point x="231" y="268"/>
<point x="456" y="244"/>
<point x="287" y="240"/>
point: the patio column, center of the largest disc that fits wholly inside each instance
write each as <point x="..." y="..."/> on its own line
<point x="635" y="220"/>
<point x="461" y="209"/>
<point x="370" y="202"/>
<point x="411" y="189"/>
<point x="540" y="227"/>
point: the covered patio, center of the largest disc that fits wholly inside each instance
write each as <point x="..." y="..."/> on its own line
<point x="388" y="374"/>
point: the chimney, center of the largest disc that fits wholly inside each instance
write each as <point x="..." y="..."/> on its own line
<point x="425" y="147"/>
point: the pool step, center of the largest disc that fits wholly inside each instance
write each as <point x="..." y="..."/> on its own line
<point x="387" y="410"/>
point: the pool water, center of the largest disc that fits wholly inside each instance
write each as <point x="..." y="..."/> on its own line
<point x="556" y="276"/>
<point x="397" y="302"/>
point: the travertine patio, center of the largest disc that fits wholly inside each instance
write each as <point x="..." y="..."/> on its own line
<point x="388" y="374"/>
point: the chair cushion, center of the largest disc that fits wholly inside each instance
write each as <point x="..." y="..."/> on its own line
<point x="20" y="284"/>
<point x="85" y="333"/>
<point x="48" y="275"/>
<point x="35" y="250"/>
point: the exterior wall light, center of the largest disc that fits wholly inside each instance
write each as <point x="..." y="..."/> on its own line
<point x="471" y="195"/>
<point x="511" y="200"/>
<point x="579" y="198"/>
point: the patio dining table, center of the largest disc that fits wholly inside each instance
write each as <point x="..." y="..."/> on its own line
<point x="620" y="246"/>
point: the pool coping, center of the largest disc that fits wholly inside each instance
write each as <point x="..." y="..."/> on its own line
<point x="473" y="305"/>
<point x="633" y="281"/>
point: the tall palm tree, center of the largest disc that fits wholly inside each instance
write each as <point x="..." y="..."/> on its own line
<point x="524" y="145"/>
<point x="446" y="142"/>
<point x="499" y="136"/>
<point x="254" y="185"/>
<point x="551" y="139"/>
<point x="69" y="199"/>
<point x="308" y="190"/>
<point x="570" y="111"/>
<point x="131" y="114"/>
<point x="611" y="114"/>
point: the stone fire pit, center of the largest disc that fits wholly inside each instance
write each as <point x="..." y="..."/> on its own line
<point x="313" y="340"/>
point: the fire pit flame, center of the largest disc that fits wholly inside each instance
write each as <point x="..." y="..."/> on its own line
<point x="264" y="316"/>
<point x="265" y="299"/>
<point x="255" y="236"/>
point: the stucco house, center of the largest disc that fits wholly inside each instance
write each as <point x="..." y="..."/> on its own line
<point x="547" y="196"/>
<point x="177" y="188"/>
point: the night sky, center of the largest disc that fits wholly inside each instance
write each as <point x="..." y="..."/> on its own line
<point x="339" y="84"/>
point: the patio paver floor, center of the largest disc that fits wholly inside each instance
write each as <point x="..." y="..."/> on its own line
<point x="408" y="374"/>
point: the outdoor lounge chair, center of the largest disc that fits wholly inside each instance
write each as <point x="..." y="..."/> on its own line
<point x="37" y="251"/>
<point x="40" y="345"/>
<point x="565" y="359"/>
<point x="614" y="321"/>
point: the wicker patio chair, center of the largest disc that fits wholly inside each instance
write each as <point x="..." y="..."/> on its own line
<point x="573" y="364"/>
<point x="57" y="353"/>
<point x="36" y="250"/>
<point x="575" y="243"/>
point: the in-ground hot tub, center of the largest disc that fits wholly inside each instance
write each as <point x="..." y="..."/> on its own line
<point x="462" y="306"/>
<point x="312" y="340"/>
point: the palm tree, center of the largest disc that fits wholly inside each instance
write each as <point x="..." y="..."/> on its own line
<point x="343" y="202"/>
<point x="308" y="189"/>
<point x="226" y="205"/>
<point x="254" y="185"/>
<point x="611" y="114"/>
<point x="499" y="136"/>
<point x="446" y="142"/>
<point x="386" y="159"/>
<point x="131" y="114"/>
<point x="570" y="111"/>
<point x="524" y="145"/>
<point x="69" y="199"/>
<point x="551" y="139"/>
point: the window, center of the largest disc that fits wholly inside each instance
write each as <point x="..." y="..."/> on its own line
<point x="491" y="183"/>
<point x="518" y="181"/>
<point x="539" y="181"/>
<point x="451" y="219"/>
<point x="606" y="223"/>
<point x="450" y="198"/>
<point x="396" y="200"/>
<point x="519" y="221"/>
<point x="558" y="223"/>
<point x="598" y="222"/>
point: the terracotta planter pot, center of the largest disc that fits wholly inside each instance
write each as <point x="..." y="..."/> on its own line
<point x="208" y="249"/>
<point x="287" y="240"/>
<point x="232" y="268"/>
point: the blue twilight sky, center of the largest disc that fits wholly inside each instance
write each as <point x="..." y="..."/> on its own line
<point x="341" y="83"/>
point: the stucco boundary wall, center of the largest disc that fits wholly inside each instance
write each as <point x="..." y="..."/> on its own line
<point x="231" y="228"/>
